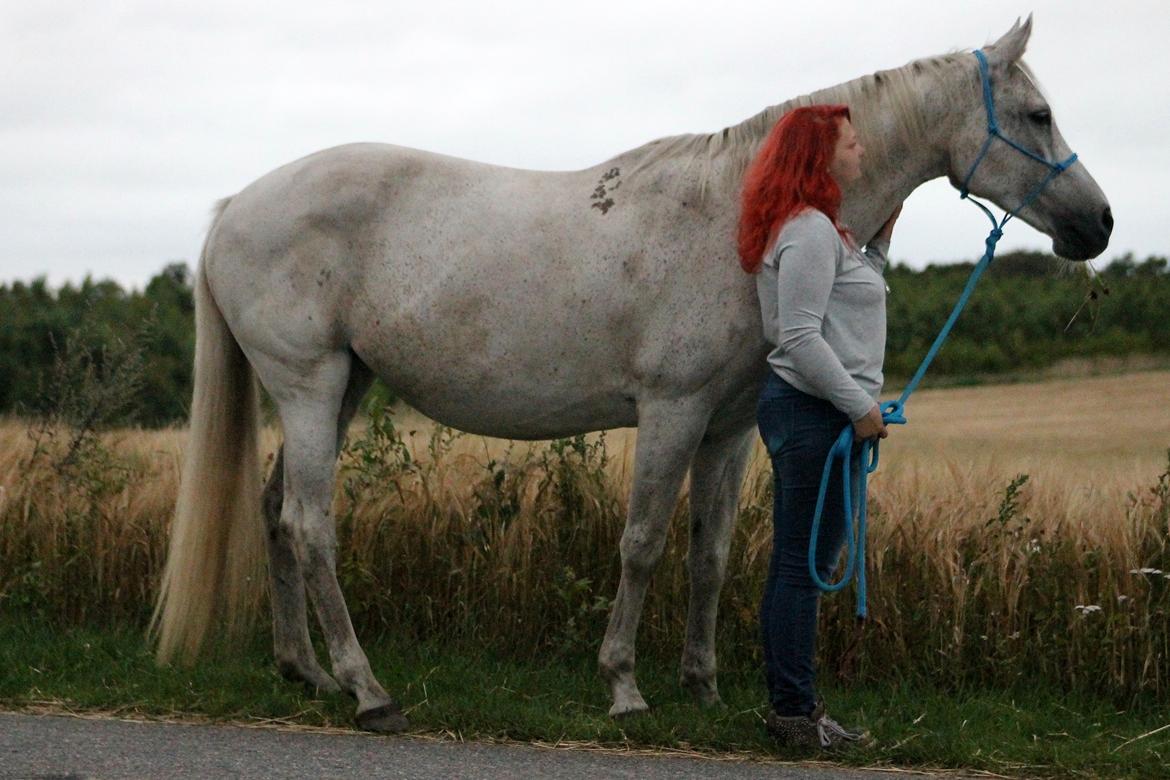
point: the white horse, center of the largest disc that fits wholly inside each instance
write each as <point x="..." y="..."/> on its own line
<point x="531" y="305"/>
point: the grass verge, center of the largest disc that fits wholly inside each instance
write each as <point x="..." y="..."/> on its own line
<point x="459" y="692"/>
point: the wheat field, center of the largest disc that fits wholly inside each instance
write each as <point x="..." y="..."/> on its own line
<point x="977" y="575"/>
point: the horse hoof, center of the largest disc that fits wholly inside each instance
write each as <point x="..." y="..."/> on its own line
<point x="386" y="719"/>
<point x="714" y="703"/>
<point x="706" y="694"/>
<point x="627" y="709"/>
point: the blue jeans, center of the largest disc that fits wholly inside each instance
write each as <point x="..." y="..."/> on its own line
<point x="798" y="430"/>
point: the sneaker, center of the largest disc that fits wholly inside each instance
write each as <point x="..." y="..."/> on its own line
<point x="816" y="731"/>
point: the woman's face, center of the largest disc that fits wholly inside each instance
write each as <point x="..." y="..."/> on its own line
<point x="846" y="165"/>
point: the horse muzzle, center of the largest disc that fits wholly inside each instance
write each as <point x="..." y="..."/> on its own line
<point x="1083" y="237"/>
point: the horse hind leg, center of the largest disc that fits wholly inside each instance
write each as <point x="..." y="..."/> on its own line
<point x="295" y="657"/>
<point x="292" y="647"/>
<point x="716" y="479"/>
<point x="310" y="414"/>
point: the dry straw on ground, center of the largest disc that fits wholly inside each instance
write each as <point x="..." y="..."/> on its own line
<point x="976" y="574"/>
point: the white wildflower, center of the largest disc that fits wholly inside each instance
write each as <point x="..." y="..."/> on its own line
<point x="1086" y="609"/>
<point x="1122" y="599"/>
<point x="1145" y="570"/>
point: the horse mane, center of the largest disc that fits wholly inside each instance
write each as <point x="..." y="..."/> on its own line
<point x="737" y="144"/>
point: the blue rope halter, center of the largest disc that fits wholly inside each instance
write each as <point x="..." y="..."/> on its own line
<point x="893" y="411"/>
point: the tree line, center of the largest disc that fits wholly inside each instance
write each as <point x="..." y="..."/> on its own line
<point x="1030" y="311"/>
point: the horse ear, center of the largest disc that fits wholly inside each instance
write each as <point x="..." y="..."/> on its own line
<point x="1010" y="47"/>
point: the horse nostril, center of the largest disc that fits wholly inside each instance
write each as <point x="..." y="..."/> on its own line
<point x="1107" y="219"/>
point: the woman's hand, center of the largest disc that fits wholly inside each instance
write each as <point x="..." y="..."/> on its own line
<point x="887" y="231"/>
<point x="871" y="426"/>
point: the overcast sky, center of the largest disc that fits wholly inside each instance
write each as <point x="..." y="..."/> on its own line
<point x="122" y="122"/>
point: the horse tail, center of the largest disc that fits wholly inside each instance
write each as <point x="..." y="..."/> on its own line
<point x="214" y="564"/>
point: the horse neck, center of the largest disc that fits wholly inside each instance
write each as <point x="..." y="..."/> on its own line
<point x="896" y="161"/>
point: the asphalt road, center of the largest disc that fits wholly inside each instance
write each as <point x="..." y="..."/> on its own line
<point x="49" y="746"/>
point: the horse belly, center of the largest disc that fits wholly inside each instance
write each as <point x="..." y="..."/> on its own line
<point x="499" y="394"/>
<point x="486" y="352"/>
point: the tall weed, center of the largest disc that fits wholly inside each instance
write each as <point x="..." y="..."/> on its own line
<point x="976" y="577"/>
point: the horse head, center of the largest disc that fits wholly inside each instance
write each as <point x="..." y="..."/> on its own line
<point x="1007" y="170"/>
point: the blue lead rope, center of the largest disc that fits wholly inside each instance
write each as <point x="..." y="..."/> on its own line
<point x="892" y="411"/>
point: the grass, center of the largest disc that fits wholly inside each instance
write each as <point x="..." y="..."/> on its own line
<point x="465" y="693"/>
<point x="1018" y="582"/>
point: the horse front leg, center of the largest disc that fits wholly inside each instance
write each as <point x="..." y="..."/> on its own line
<point x="716" y="479"/>
<point x="668" y="433"/>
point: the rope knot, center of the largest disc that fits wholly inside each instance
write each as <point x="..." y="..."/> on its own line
<point x="992" y="239"/>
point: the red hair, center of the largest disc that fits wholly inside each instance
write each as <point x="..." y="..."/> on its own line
<point x="790" y="173"/>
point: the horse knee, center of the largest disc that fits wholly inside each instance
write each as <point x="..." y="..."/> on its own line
<point x="640" y="552"/>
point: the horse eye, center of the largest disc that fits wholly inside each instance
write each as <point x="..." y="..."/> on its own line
<point x="1041" y="117"/>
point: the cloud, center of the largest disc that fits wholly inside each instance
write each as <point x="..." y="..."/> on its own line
<point x="120" y="123"/>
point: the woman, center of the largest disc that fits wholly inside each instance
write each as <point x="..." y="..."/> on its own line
<point x="823" y="303"/>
